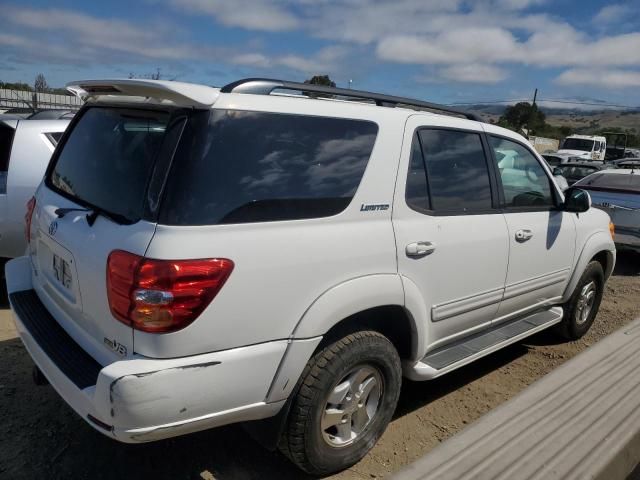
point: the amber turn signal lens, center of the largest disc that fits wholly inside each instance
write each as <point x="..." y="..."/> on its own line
<point x="612" y="230"/>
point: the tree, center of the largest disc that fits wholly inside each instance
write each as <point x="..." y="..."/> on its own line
<point x="40" y="84"/>
<point x="16" y="86"/>
<point x="521" y="115"/>
<point x="323" y="80"/>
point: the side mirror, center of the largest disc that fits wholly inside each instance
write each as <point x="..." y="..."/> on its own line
<point x="576" y="200"/>
<point x="557" y="172"/>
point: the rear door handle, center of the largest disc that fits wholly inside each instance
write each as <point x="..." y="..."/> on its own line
<point x="523" y="235"/>
<point x="419" y="249"/>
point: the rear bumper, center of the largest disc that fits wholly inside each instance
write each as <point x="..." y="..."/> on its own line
<point x="140" y="399"/>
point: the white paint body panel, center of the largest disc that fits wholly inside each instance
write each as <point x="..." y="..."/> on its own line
<point x="472" y="249"/>
<point x="292" y="282"/>
<point x="30" y="154"/>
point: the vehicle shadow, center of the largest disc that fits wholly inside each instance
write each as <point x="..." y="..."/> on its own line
<point x="41" y="435"/>
<point x="415" y="395"/>
<point x="627" y="263"/>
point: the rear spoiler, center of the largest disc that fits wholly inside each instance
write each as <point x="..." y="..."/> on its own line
<point x="179" y="93"/>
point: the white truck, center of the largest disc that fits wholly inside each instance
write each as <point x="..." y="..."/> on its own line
<point x="583" y="147"/>
<point x="201" y="256"/>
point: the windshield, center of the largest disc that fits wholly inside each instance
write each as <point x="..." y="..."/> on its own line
<point x="578" y="144"/>
<point x="611" y="181"/>
<point x="107" y="160"/>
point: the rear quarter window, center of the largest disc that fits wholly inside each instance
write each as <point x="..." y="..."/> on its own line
<point x="239" y="167"/>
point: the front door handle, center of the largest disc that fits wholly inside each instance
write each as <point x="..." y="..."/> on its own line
<point x="523" y="235"/>
<point x="419" y="249"/>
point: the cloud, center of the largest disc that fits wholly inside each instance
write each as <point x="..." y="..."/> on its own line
<point x="600" y="78"/>
<point x="518" y="4"/>
<point x="451" y="47"/>
<point x="325" y="60"/>
<point x="474" y="73"/>
<point x="465" y="41"/>
<point x="91" y="38"/>
<point x="612" y="13"/>
<point x="248" y="14"/>
<point x="114" y="41"/>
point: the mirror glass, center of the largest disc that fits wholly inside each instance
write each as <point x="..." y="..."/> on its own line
<point x="577" y="200"/>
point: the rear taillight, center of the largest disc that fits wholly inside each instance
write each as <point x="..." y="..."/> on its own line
<point x="31" y="206"/>
<point x="162" y="295"/>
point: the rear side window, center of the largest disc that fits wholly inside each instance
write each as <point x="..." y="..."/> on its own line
<point x="54" y="137"/>
<point x="456" y="171"/>
<point x="107" y="160"/>
<point x="238" y="167"/>
<point x="6" y="140"/>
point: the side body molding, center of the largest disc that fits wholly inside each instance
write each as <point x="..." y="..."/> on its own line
<point x="596" y="243"/>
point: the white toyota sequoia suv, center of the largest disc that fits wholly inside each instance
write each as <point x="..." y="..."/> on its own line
<point x="201" y="256"/>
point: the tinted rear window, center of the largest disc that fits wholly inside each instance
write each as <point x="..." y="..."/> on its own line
<point x="611" y="181"/>
<point x="457" y="170"/>
<point x="238" y="166"/>
<point x="107" y="160"/>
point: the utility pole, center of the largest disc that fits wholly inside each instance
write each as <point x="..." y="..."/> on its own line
<point x="533" y="112"/>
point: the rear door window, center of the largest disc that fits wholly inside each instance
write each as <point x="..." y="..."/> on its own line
<point x="456" y="171"/>
<point x="107" y="160"/>
<point x="239" y="166"/>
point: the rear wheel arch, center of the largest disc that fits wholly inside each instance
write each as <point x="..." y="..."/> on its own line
<point x="392" y="321"/>
<point x="372" y="302"/>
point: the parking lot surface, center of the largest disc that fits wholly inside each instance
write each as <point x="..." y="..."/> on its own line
<point x="41" y="437"/>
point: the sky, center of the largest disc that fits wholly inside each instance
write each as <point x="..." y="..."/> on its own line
<point x="449" y="51"/>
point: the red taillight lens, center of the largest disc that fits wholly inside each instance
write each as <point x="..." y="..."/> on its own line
<point x="31" y="206"/>
<point x="162" y="295"/>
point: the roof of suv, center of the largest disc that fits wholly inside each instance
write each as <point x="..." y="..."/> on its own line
<point x="266" y="91"/>
<point x="200" y="95"/>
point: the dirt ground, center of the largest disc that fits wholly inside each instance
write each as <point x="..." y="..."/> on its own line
<point x="40" y="437"/>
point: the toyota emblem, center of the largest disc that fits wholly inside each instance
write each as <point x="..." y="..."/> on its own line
<point x="53" y="228"/>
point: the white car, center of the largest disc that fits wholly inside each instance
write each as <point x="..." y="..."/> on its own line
<point x="202" y="256"/>
<point x="25" y="149"/>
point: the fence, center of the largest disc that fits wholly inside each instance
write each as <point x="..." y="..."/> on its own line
<point x="24" y="99"/>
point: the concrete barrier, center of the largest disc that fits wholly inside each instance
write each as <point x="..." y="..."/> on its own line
<point x="580" y="421"/>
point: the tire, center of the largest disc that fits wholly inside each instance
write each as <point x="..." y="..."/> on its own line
<point x="575" y="322"/>
<point x="365" y="362"/>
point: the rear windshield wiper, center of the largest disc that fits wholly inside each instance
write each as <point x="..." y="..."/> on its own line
<point x="93" y="213"/>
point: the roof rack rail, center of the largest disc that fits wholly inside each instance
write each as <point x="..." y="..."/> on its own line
<point x="265" y="86"/>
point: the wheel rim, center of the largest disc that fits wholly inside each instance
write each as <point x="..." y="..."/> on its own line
<point x="585" y="303"/>
<point x="351" y="406"/>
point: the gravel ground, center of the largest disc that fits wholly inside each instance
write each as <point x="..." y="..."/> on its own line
<point x="40" y="437"/>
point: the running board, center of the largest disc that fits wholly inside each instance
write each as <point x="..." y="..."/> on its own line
<point x="464" y="351"/>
